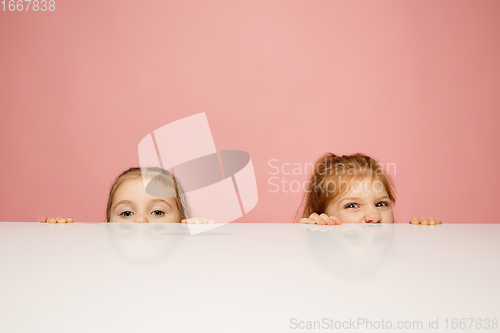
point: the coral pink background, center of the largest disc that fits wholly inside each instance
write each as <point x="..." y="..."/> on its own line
<point x="413" y="83"/>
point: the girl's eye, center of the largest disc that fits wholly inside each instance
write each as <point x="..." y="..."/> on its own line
<point x="352" y="236"/>
<point x="157" y="227"/>
<point x="126" y="214"/>
<point x="126" y="226"/>
<point x="382" y="204"/>
<point x="351" y="205"/>
<point x="158" y="213"/>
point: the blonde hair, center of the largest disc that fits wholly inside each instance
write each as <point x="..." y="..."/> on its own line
<point x="333" y="176"/>
<point x="157" y="175"/>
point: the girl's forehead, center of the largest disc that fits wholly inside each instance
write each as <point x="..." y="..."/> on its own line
<point x="364" y="186"/>
<point x="130" y="188"/>
<point x="133" y="192"/>
<point x="138" y="188"/>
<point x="160" y="186"/>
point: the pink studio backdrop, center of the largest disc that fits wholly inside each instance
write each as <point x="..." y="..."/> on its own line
<point x="414" y="83"/>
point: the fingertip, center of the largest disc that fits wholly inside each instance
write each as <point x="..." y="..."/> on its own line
<point x="336" y="220"/>
<point x="315" y="217"/>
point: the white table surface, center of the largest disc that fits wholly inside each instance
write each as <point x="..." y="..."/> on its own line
<point x="123" y="277"/>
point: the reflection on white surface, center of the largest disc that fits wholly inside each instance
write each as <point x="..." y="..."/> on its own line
<point x="144" y="243"/>
<point x="352" y="252"/>
<point x="246" y="277"/>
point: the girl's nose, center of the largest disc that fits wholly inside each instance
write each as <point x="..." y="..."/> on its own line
<point x="141" y="219"/>
<point x="373" y="217"/>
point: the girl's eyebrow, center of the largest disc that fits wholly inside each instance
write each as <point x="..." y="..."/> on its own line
<point x="122" y="202"/>
<point x="160" y="200"/>
<point x="348" y="199"/>
<point x="358" y="199"/>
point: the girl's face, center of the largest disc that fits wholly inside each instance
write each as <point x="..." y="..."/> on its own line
<point x="132" y="203"/>
<point x="366" y="201"/>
